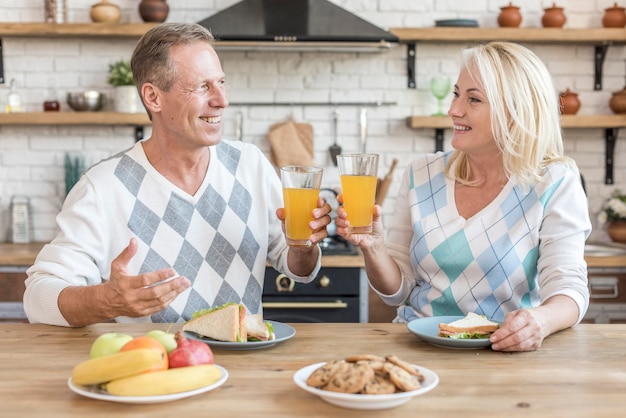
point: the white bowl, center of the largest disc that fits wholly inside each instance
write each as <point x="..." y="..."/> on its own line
<point x="362" y="401"/>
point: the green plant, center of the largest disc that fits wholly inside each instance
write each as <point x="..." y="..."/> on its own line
<point x="120" y="74"/>
<point x="614" y="209"/>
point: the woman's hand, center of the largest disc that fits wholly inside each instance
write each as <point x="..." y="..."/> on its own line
<point x="364" y="241"/>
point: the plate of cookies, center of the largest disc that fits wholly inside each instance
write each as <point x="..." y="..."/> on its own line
<point x="366" y="381"/>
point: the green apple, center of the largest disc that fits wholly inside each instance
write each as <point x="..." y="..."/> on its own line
<point x="108" y="343"/>
<point x="165" y="338"/>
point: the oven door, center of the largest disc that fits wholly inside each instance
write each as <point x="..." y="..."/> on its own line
<point x="334" y="296"/>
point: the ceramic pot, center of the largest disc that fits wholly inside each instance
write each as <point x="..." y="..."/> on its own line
<point x="553" y="17"/>
<point x="154" y="10"/>
<point x="617" y="231"/>
<point x="126" y="100"/>
<point x="614" y="17"/>
<point x="105" y="12"/>
<point x="569" y="102"/>
<point x="509" y="17"/>
<point x="618" y="101"/>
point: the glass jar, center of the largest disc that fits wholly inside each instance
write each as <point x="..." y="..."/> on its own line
<point x="55" y="11"/>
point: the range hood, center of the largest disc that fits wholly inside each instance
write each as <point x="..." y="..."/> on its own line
<point x="294" y="24"/>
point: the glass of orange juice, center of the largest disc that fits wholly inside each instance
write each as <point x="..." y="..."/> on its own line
<point x="301" y="189"/>
<point x="358" y="173"/>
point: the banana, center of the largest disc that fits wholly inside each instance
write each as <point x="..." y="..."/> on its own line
<point x="165" y="382"/>
<point x="115" y="366"/>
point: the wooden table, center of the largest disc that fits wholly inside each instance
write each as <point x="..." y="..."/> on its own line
<point x="579" y="372"/>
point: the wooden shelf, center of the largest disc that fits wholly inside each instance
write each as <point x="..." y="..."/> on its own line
<point x="535" y="35"/>
<point x="66" y="30"/>
<point x="74" y="118"/>
<point x="567" y="121"/>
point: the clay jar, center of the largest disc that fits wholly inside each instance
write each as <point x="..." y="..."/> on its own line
<point x="569" y="102"/>
<point x="614" y="17"/>
<point x="153" y="10"/>
<point x="553" y="17"/>
<point x="105" y="12"/>
<point x="618" y="102"/>
<point x="509" y="17"/>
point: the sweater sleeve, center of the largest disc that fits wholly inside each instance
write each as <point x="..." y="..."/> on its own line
<point x="566" y="226"/>
<point x="68" y="260"/>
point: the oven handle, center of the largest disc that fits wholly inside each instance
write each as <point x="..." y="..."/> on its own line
<point x="305" y="305"/>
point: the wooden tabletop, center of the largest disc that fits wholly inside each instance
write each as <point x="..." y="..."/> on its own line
<point x="579" y="372"/>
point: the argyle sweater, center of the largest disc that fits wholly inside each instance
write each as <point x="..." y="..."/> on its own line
<point x="220" y="238"/>
<point x="523" y="248"/>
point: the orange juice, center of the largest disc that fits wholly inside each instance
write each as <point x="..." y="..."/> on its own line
<point x="299" y="205"/>
<point x="359" y="193"/>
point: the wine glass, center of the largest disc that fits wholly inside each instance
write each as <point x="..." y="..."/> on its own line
<point x="440" y="87"/>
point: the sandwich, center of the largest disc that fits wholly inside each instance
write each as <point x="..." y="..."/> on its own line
<point x="230" y="323"/>
<point x="473" y="326"/>
<point x="258" y="330"/>
<point x="223" y="323"/>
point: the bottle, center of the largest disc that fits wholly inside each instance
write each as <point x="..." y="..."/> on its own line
<point x="20" y="220"/>
<point x="14" y="101"/>
<point x="51" y="104"/>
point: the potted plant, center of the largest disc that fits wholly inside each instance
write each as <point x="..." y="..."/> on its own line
<point x="125" y="96"/>
<point x="613" y="214"/>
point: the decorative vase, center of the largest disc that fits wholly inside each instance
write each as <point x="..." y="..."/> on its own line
<point x="553" y="17"/>
<point x="105" y="12"/>
<point x="509" y="17"/>
<point x="614" y="17"/>
<point x="618" y="102"/>
<point x="617" y="231"/>
<point x="154" y="10"/>
<point x="126" y="100"/>
<point x="569" y="102"/>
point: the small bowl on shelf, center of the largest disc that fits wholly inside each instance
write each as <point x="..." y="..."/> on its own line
<point x="89" y="100"/>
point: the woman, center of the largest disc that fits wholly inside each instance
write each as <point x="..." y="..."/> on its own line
<point x="498" y="225"/>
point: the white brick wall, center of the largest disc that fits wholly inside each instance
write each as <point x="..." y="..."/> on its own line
<point x="31" y="158"/>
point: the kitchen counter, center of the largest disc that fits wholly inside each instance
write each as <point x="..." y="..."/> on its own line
<point x="25" y="254"/>
<point x="36" y="362"/>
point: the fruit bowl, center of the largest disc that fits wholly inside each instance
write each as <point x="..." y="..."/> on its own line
<point x="89" y="100"/>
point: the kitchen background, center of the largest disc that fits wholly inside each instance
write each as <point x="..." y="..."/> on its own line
<point x="32" y="157"/>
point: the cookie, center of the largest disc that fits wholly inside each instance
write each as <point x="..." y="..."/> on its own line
<point x="406" y="366"/>
<point x="404" y="380"/>
<point x="379" y="385"/>
<point x="350" y="379"/>
<point x="322" y="374"/>
<point x="364" y="357"/>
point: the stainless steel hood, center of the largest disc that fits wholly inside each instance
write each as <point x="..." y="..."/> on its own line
<point x="294" y="24"/>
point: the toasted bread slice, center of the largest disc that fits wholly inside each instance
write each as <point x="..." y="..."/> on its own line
<point x="224" y="323"/>
<point x="473" y="324"/>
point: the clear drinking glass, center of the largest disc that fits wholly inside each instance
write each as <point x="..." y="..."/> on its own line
<point x="440" y="87"/>
<point x="301" y="189"/>
<point x="359" y="174"/>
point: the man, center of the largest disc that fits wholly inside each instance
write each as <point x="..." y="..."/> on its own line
<point x="182" y="206"/>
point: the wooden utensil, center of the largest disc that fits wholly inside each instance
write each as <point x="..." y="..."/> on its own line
<point x="383" y="185"/>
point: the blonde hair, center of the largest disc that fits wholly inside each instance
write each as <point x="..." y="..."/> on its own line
<point x="525" y="116"/>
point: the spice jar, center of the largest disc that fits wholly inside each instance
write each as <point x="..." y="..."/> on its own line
<point x="553" y="17"/>
<point x="509" y="17"/>
<point x="569" y="102"/>
<point x="614" y="17"/>
<point x="55" y="11"/>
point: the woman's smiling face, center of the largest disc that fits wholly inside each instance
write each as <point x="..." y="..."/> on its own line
<point x="470" y="112"/>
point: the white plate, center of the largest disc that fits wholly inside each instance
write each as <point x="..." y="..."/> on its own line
<point x="360" y="401"/>
<point x="283" y="333"/>
<point x="428" y="328"/>
<point x="95" y="392"/>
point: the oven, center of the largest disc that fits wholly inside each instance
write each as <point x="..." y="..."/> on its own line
<point x="607" y="302"/>
<point x="337" y="294"/>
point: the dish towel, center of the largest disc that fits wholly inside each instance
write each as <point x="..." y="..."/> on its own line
<point x="291" y="143"/>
